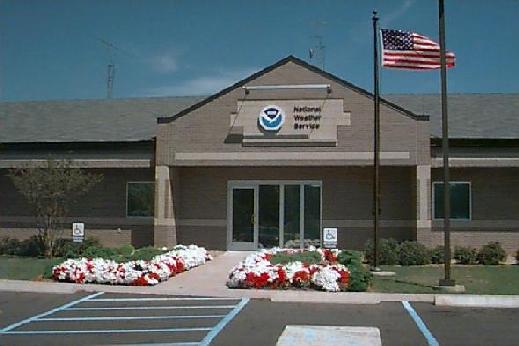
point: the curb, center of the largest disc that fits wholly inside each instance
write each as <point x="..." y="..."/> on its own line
<point x="477" y="301"/>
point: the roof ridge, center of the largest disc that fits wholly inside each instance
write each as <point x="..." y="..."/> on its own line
<point x="302" y="63"/>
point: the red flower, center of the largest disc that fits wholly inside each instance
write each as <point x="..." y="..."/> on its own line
<point x="154" y="276"/>
<point x="301" y="277"/>
<point x="329" y="256"/>
<point x="141" y="281"/>
<point x="180" y="266"/>
<point x="252" y="280"/>
<point x="345" y="277"/>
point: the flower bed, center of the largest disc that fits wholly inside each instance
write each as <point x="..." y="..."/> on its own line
<point x="135" y="273"/>
<point x="256" y="271"/>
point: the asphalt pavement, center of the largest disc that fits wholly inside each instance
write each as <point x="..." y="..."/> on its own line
<point x="114" y="318"/>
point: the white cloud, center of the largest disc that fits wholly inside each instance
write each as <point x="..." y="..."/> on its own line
<point x="396" y="14"/>
<point x="204" y="85"/>
<point x="164" y="63"/>
<point x="362" y="31"/>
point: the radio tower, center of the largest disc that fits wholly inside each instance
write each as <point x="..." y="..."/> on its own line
<point x="317" y="54"/>
<point x="110" y="72"/>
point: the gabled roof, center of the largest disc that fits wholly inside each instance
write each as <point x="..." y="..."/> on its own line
<point x="302" y="63"/>
<point x="471" y="116"/>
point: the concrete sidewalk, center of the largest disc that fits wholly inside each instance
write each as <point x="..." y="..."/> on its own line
<point x="210" y="280"/>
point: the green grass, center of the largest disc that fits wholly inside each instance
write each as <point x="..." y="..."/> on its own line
<point x="478" y="279"/>
<point x="24" y="268"/>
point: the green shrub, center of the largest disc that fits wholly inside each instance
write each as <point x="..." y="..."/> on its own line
<point x="349" y="257"/>
<point x="388" y="253"/>
<point x="360" y="276"/>
<point x="414" y="253"/>
<point x="438" y="255"/>
<point x="102" y="252"/>
<point x="517" y="256"/>
<point x="146" y="253"/>
<point x="31" y="247"/>
<point x="69" y="249"/>
<point x="126" y="250"/>
<point x="491" y="254"/>
<point x="465" y="255"/>
<point x="310" y="257"/>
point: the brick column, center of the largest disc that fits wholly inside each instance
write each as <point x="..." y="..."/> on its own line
<point x="164" y="221"/>
<point x="423" y="205"/>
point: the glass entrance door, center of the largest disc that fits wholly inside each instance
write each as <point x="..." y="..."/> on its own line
<point x="243" y="220"/>
<point x="266" y="214"/>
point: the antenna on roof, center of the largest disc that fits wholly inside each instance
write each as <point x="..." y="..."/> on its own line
<point x="110" y="72"/>
<point x="317" y="54"/>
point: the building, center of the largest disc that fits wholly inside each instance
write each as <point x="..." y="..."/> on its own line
<point x="270" y="161"/>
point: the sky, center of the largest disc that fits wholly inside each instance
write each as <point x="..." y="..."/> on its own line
<point x="53" y="49"/>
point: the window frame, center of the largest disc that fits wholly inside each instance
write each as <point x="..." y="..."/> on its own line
<point x="434" y="200"/>
<point x="127" y="204"/>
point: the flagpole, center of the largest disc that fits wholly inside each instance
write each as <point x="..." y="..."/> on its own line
<point x="376" y="143"/>
<point x="447" y="280"/>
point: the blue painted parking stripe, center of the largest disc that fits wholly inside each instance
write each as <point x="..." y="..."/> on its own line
<point x="110" y="331"/>
<point x="157" y="299"/>
<point x="101" y="318"/>
<point x="431" y="340"/>
<point x="47" y="313"/>
<point x="221" y="325"/>
<point x="157" y="307"/>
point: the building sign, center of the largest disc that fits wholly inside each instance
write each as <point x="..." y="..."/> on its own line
<point x="78" y="232"/>
<point x="330" y="237"/>
<point x="307" y="118"/>
<point x="271" y="118"/>
<point x="298" y="122"/>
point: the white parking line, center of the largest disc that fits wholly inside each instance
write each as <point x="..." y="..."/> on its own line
<point x="431" y="340"/>
<point x="47" y="313"/>
<point x="213" y="331"/>
<point x="126" y="318"/>
<point x="157" y="299"/>
<point x="156" y="307"/>
<point x="95" y="331"/>
<point x="221" y="325"/>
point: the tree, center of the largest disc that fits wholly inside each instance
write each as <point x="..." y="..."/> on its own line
<point x="50" y="191"/>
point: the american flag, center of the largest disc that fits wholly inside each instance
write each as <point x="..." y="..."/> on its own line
<point x="409" y="50"/>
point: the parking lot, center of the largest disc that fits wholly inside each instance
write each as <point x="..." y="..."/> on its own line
<point x="129" y="319"/>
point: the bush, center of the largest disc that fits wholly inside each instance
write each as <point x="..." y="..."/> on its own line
<point x="349" y="257"/>
<point x="126" y="250"/>
<point x="438" y="255"/>
<point x="29" y="247"/>
<point x="146" y="253"/>
<point x="465" y="255"/>
<point x="388" y="253"/>
<point x="102" y="252"/>
<point x="491" y="254"/>
<point x="309" y="257"/>
<point x="517" y="256"/>
<point x="360" y="276"/>
<point x="414" y="253"/>
<point x="32" y="247"/>
<point x="67" y="248"/>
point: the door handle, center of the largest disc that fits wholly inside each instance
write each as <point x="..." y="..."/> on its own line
<point x="252" y="219"/>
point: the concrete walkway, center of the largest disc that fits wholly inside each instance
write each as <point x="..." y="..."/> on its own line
<point x="210" y="280"/>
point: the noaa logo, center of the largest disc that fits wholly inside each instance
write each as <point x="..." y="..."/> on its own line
<point x="271" y="118"/>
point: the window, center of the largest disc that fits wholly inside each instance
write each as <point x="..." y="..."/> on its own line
<point x="140" y="199"/>
<point x="460" y="200"/>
